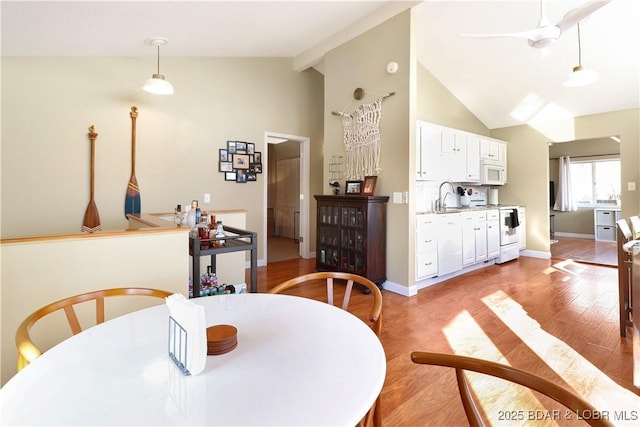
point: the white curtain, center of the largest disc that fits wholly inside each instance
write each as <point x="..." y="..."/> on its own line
<point x="564" y="198"/>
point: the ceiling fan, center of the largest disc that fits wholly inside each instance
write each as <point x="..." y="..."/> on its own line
<point x="546" y="34"/>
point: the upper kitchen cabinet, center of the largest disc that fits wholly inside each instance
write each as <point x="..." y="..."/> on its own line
<point x="446" y="154"/>
<point x="493" y="151"/>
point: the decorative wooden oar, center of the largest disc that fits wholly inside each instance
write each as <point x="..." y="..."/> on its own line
<point x="132" y="199"/>
<point x="91" y="220"/>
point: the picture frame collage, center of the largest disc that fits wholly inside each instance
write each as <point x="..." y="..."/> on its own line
<point x="240" y="162"/>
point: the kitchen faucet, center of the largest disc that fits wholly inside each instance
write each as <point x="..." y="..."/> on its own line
<point x="440" y="203"/>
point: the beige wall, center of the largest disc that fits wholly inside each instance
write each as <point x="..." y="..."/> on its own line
<point x="528" y="166"/>
<point x="362" y="63"/>
<point x="48" y="104"/>
<point x="36" y="273"/>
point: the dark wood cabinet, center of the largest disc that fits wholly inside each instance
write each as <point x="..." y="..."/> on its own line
<point x="352" y="235"/>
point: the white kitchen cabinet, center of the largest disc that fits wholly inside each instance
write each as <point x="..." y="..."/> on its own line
<point x="489" y="150"/>
<point x="429" y="163"/>
<point x="449" y="236"/>
<point x="493" y="233"/>
<point x="453" y="150"/>
<point x="426" y="246"/>
<point x="473" y="159"/>
<point x="474" y="237"/>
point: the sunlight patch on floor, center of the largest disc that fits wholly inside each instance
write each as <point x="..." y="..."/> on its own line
<point x="497" y="398"/>
<point x="580" y="374"/>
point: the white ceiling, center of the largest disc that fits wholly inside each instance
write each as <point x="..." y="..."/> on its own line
<point x="492" y="77"/>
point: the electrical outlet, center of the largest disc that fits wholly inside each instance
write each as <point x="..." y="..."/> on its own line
<point x="397" y="197"/>
<point x="207" y="197"/>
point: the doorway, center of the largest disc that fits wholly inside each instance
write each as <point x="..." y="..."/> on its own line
<point x="286" y="197"/>
<point x="573" y="232"/>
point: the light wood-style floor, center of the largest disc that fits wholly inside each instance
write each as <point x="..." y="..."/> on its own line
<point x="585" y="250"/>
<point x="556" y="318"/>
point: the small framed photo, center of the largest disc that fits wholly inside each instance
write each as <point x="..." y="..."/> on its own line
<point x="257" y="157"/>
<point x="230" y="176"/>
<point x="255" y="167"/>
<point x="241" y="176"/>
<point x="241" y="146"/>
<point x="353" y="187"/>
<point x="231" y="147"/>
<point x="241" y="161"/>
<point x="225" y="167"/>
<point x="224" y="155"/>
<point x="369" y="185"/>
<point x="251" y="176"/>
<point x="251" y="148"/>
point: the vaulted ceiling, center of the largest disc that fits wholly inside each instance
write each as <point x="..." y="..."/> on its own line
<point x="502" y="81"/>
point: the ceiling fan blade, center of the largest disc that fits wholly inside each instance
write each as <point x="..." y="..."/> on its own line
<point x="578" y="14"/>
<point x="522" y="34"/>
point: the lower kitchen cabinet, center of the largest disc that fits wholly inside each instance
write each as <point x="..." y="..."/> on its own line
<point x="493" y="233"/>
<point x="474" y="237"/>
<point x="426" y="246"/>
<point x="449" y="234"/>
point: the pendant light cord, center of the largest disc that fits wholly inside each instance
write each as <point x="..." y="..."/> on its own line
<point x="158" y="46"/>
<point x="579" y="47"/>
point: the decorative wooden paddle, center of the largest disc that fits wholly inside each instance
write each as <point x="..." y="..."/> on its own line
<point x="91" y="220"/>
<point x="132" y="199"/>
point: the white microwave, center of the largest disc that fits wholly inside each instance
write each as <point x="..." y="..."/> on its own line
<point x="492" y="174"/>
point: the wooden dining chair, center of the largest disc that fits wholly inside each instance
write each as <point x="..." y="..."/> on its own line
<point x="635" y="226"/>
<point x="471" y="408"/>
<point x="28" y="351"/>
<point x="374" y="415"/>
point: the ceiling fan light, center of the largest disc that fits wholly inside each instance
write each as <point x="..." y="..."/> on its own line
<point x="581" y="77"/>
<point x="158" y="85"/>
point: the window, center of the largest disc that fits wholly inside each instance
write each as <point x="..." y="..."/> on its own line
<point x="596" y="183"/>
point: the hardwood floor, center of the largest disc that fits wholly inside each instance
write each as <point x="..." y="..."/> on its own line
<point x="558" y="319"/>
<point x="585" y="250"/>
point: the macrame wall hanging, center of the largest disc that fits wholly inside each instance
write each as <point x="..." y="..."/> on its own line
<point x="362" y="138"/>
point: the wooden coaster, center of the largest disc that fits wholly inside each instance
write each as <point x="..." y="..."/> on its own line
<point x="221" y="339"/>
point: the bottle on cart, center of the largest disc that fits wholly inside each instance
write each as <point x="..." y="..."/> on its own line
<point x="203" y="232"/>
<point x="177" y="217"/>
<point x="220" y="241"/>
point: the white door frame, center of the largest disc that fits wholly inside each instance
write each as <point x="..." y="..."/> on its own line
<point x="304" y="188"/>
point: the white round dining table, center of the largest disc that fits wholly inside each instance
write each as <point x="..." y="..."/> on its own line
<point x="298" y="362"/>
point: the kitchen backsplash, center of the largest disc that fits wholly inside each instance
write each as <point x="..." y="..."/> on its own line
<point x="427" y="194"/>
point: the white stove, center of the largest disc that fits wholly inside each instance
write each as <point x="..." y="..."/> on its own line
<point x="509" y="223"/>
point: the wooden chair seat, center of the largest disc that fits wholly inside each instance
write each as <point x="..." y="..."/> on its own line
<point x="28" y="351"/>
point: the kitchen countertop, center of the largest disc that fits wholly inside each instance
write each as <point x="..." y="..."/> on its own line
<point x="467" y="209"/>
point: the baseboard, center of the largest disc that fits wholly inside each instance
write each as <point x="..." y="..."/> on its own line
<point x="535" y="254"/>
<point x="574" y="235"/>
<point x="397" y="288"/>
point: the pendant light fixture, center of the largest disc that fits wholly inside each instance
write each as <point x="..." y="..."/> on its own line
<point x="157" y="84"/>
<point x="581" y="76"/>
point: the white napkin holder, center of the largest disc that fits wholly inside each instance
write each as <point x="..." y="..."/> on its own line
<point x="187" y="341"/>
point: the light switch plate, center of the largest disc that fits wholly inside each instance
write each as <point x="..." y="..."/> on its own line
<point x="207" y="197"/>
<point x="631" y="186"/>
<point x="397" y="197"/>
